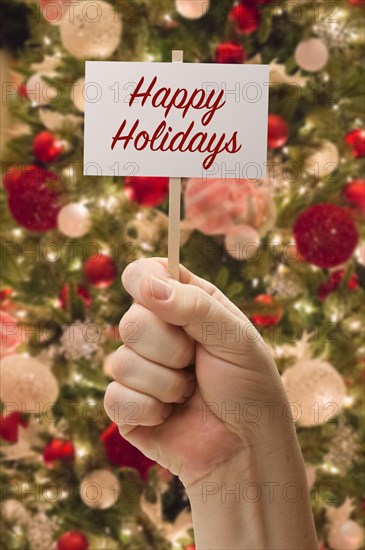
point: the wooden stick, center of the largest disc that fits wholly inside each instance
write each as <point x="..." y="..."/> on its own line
<point x="174" y="208"/>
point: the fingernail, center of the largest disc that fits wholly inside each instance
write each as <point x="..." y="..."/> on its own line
<point x="160" y="289"/>
<point x="167" y="410"/>
<point x="190" y="388"/>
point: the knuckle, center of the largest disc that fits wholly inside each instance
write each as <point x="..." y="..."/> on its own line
<point x="148" y="408"/>
<point x="123" y="367"/>
<point x="201" y="304"/>
<point x="132" y="320"/>
<point x="181" y="355"/>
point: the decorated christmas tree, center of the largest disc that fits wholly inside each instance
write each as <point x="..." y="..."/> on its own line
<point x="288" y="250"/>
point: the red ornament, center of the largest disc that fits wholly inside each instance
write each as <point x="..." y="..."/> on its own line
<point x="5" y="302"/>
<point x="122" y="453"/>
<point x="81" y="292"/>
<point x="100" y="270"/>
<point x="278" y="131"/>
<point x="33" y="197"/>
<point x="47" y="147"/>
<point x="229" y="52"/>
<point x="53" y="10"/>
<point x="147" y="191"/>
<point x="356" y="139"/>
<point x="58" y="449"/>
<point x="9" y="426"/>
<point x="247" y="17"/>
<point x="10" y="334"/>
<point x="325" y="235"/>
<point x="190" y="547"/>
<point x="269" y="312"/>
<point x="334" y="281"/>
<point x="354" y="192"/>
<point x="72" y="540"/>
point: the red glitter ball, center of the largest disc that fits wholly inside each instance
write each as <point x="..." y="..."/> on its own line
<point x="278" y="131"/>
<point x="247" y="17"/>
<point x="326" y="235"/>
<point x="33" y="197"/>
<point x="9" y="426"/>
<point x="229" y="52"/>
<point x="122" y="453"/>
<point x="147" y="191"/>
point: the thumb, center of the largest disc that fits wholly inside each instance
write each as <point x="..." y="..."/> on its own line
<point x="201" y="315"/>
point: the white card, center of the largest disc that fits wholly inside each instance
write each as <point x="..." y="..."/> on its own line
<point x="176" y="119"/>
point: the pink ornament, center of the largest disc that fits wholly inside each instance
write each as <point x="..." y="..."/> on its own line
<point x="214" y="206"/>
<point x="53" y="10"/>
<point x="9" y="333"/>
<point x="347" y="535"/>
<point x="192" y="9"/>
<point x="242" y="242"/>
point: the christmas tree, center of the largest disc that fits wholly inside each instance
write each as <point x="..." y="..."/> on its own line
<point x="288" y="250"/>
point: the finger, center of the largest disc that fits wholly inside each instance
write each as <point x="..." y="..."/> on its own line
<point x="135" y="271"/>
<point x="155" y="339"/>
<point x="202" y="316"/>
<point x="140" y="374"/>
<point x="129" y="407"/>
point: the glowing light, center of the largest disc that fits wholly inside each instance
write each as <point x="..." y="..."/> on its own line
<point x="348" y="401"/>
<point x="17" y="232"/>
<point x="47" y="40"/>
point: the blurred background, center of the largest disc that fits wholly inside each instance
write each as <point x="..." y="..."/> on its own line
<point x="288" y="250"/>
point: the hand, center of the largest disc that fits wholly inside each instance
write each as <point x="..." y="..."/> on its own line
<point x="194" y="379"/>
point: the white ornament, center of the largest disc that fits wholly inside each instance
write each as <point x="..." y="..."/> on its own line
<point x="78" y="97"/>
<point x="39" y="91"/>
<point x="242" y="242"/>
<point x="28" y="383"/>
<point x="14" y="511"/>
<point x="74" y="220"/>
<point x="315" y="391"/>
<point x="81" y="340"/>
<point x="55" y="121"/>
<point x="108" y="363"/>
<point x="344" y="533"/>
<point x="192" y="9"/>
<point x="91" y="30"/>
<point x="323" y="162"/>
<point x="311" y="55"/>
<point x="100" y="489"/>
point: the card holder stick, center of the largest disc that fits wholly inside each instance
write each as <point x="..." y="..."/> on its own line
<point x="174" y="208"/>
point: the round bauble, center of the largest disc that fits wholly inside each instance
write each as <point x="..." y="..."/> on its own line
<point x="323" y="162"/>
<point x="27" y="382"/>
<point x="108" y="363"/>
<point x="315" y="391"/>
<point x="354" y="192"/>
<point x="356" y="140"/>
<point x="100" y="270"/>
<point x="14" y="511"/>
<point x="311" y="55"/>
<point x="192" y="9"/>
<point x="10" y="334"/>
<point x="268" y="311"/>
<point x="39" y="91"/>
<point x="47" y="147"/>
<point x="242" y="242"/>
<point x="326" y="235"/>
<point x="74" y="220"/>
<point x="278" y="131"/>
<point x="348" y="535"/>
<point x="246" y="16"/>
<point x="229" y="52"/>
<point x="93" y="31"/>
<point x="72" y="540"/>
<point x="100" y="489"/>
<point x="81" y="291"/>
<point x="34" y="198"/>
<point x="78" y="96"/>
<point x="146" y="191"/>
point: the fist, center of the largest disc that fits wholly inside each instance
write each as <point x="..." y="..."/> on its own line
<point x="194" y="379"/>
